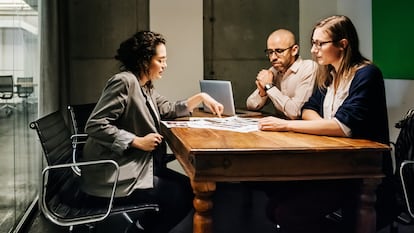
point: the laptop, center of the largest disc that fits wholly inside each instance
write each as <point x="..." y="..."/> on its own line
<point x="222" y="91"/>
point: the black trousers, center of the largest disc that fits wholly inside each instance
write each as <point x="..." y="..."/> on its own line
<point x="172" y="192"/>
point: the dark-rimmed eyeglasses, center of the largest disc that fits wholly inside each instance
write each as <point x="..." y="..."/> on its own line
<point x="319" y="44"/>
<point x="269" y="52"/>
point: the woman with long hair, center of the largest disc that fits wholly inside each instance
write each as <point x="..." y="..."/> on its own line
<point x="348" y="101"/>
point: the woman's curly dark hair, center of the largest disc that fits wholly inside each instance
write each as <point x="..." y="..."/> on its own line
<point x="136" y="52"/>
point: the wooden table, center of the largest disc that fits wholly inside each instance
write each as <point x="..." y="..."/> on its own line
<point x="209" y="156"/>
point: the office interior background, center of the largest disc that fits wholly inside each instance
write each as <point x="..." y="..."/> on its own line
<point x="67" y="47"/>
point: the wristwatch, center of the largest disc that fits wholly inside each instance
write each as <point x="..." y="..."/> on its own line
<point x="268" y="86"/>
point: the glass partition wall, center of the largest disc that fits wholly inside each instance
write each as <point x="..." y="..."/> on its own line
<point x="20" y="156"/>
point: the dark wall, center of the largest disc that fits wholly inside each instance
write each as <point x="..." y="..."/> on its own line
<point x="95" y="30"/>
<point x="235" y="34"/>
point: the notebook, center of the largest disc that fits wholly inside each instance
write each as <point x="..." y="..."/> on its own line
<point x="221" y="90"/>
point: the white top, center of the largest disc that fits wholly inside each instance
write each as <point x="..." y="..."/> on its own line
<point x="292" y="89"/>
<point x="333" y="100"/>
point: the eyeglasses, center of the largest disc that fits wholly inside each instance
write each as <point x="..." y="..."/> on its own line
<point x="319" y="44"/>
<point x="269" y="52"/>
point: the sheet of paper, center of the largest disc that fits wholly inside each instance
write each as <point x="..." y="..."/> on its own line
<point x="237" y="124"/>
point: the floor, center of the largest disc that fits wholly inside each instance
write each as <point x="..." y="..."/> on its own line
<point x="230" y="215"/>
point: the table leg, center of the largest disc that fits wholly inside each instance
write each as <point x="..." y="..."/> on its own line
<point x="203" y="205"/>
<point x="366" y="215"/>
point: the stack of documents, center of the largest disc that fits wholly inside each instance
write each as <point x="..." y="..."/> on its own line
<point x="237" y="124"/>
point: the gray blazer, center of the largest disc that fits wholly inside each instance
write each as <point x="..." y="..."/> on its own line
<point x="121" y="114"/>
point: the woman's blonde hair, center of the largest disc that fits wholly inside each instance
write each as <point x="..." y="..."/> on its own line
<point x="340" y="27"/>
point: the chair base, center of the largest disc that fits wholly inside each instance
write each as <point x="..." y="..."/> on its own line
<point x="90" y="228"/>
<point x="133" y="229"/>
<point x="405" y="218"/>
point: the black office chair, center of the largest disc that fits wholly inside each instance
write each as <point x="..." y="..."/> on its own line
<point x="407" y="177"/>
<point x="7" y="93"/>
<point x="24" y="86"/>
<point x="404" y="158"/>
<point x="61" y="199"/>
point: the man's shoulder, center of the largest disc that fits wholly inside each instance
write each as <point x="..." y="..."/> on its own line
<point x="306" y="64"/>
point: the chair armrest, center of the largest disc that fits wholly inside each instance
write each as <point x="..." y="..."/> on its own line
<point x="81" y="220"/>
<point x="393" y="159"/>
<point x="405" y="186"/>
<point x="78" y="139"/>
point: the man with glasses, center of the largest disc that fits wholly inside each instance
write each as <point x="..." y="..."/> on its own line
<point x="289" y="82"/>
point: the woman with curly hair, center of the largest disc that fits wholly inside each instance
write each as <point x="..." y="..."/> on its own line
<point x="124" y="126"/>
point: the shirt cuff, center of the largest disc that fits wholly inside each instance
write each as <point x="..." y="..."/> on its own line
<point x="347" y="131"/>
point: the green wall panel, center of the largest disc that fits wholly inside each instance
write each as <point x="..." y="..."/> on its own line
<point x="393" y="37"/>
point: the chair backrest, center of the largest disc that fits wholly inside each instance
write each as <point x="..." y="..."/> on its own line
<point x="404" y="145"/>
<point x="24" y="86"/>
<point x="79" y="114"/>
<point x="54" y="137"/>
<point x="6" y="87"/>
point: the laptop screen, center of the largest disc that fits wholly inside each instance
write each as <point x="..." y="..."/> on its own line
<point x="221" y="91"/>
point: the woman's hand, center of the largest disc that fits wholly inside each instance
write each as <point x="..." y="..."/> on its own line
<point x="215" y="107"/>
<point x="273" y="124"/>
<point x="147" y="143"/>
